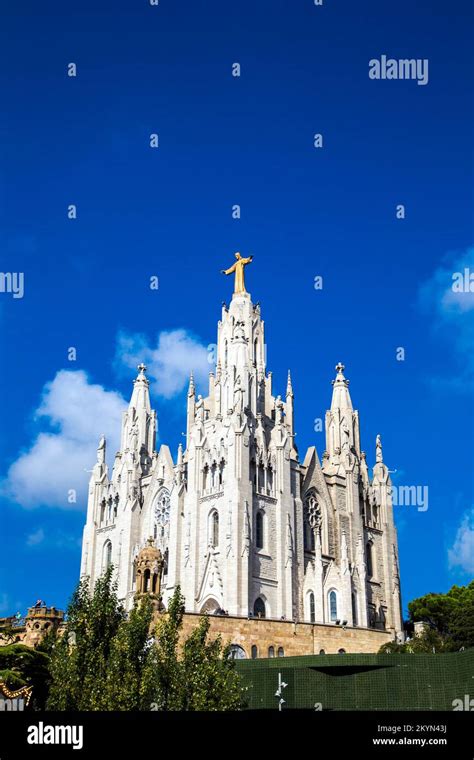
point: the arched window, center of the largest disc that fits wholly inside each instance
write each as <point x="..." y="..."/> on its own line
<point x="370" y="558"/>
<point x="214" y="529"/>
<point x="255" y="345"/>
<point x="311" y="607"/>
<point x="205" y="478"/>
<point x="225" y="353"/>
<point x="259" y="608"/>
<point x="271" y="651"/>
<point x="322" y="651"/>
<point x="332" y="605"/>
<point x="281" y="652"/>
<point x="254" y="651"/>
<point x="259" y="530"/>
<point x="354" y="609"/>
<point x="146" y="581"/>
<point x="341" y="651"/>
<point x="107" y="555"/>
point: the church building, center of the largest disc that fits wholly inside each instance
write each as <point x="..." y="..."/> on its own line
<point x="248" y="528"/>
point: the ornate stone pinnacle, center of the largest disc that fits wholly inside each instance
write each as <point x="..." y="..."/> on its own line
<point x="339" y="367"/>
<point x="142" y="368"/>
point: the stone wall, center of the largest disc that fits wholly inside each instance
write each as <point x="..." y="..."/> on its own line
<point x="294" y="638"/>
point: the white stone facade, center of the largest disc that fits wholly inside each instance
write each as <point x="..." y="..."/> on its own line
<point x="244" y="526"/>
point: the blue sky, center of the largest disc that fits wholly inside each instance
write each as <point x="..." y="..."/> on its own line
<point x="166" y="212"/>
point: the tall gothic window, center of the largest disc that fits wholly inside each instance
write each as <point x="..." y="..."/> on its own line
<point x="214" y="529"/>
<point x="311" y="607"/>
<point x="370" y="559"/>
<point x="312" y="518"/>
<point x="253" y="473"/>
<point x="259" y="530"/>
<point x="205" y="478"/>
<point x="161" y="516"/>
<point x="309" y="544"/>
<point x="254" y="652"/>
<point x="271" y="651"/>
<point x="259" y="608"/>
<point x="107" y="555"/>
<point x="270" y="479"/>
<point x="332" y="606"/>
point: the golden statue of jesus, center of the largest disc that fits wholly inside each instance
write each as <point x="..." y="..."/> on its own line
<point x="238" y="268"/>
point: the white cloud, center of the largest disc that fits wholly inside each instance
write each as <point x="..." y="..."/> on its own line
<point x="450" y="305"/>
<point x="461" y="554"/>
<point x="169" y="362"/>
<point x="35" y="538"/>
<point x="57" y="461"/>
<point x="54" y="539"/>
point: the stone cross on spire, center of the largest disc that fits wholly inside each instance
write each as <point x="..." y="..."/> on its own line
<point x="142" y="368"/>
<point x="339" y="368"/>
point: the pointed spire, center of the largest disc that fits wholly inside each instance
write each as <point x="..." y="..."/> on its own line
<point x="180" y="454"/>
<point x="289" y="386"/>
<point x="340" y="396"/>
<point x="140" y="396"/>
<point x="191" y="389"/>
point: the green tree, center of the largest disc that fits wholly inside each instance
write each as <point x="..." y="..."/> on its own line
<point x="211" y="682"/>
<point x="194" y="674"/>
<point x="80" y="657"/>
<point x="23" y="666"/>
<point x="130" y="668"/>
<point x="450" y="618"/>
<point x="109" y="661"/>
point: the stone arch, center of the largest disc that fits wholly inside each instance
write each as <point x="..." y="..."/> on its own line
<point x="210" y="606"/>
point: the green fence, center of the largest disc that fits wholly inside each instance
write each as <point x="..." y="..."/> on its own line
<point x="360" y="682"/>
